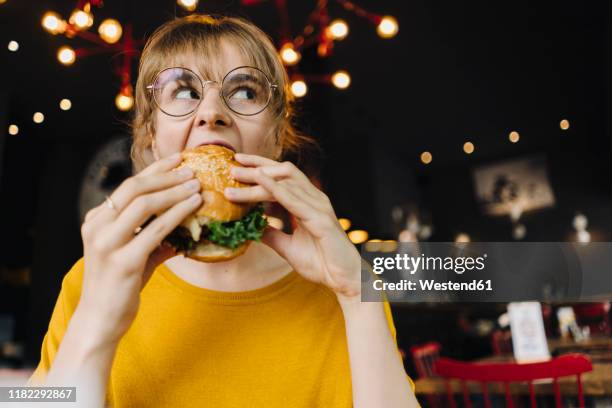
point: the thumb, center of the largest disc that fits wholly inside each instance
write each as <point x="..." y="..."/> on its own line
<point x="158" y="256"/>
<point x="277" y="240"/>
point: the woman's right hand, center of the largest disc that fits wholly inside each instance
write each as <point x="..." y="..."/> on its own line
<point x="118" y="262"/>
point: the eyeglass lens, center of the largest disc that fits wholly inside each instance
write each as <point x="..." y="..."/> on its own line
<point x="245" y="90"/>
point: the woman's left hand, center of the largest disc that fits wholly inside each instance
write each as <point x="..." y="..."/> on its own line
<point x="318" y="249"/>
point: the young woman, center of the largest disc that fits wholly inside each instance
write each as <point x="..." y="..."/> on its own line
<point x="280" y="326"/>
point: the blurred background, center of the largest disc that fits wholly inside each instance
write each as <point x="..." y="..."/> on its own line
<point x="437" y="121"/>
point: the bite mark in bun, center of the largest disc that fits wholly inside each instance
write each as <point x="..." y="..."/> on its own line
<point x="220" y="229"/>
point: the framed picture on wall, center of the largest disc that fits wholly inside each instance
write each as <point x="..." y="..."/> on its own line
<point x="514" y="185"/>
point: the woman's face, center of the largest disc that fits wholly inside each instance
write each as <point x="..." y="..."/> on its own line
<point x="213" y="122"/>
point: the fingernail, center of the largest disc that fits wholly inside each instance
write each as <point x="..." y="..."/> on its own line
<point x="174" y="156"/>
<point x="230" y="191"/>
<point x="196" y="198"/>
<point x="192" y="185"/>
<point x="185" y="171"/>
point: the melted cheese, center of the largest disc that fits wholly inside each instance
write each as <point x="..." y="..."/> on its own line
<point x="195" y="229"/>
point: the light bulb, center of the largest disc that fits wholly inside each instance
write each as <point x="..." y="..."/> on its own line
<point x="426" y="157"/>
<point x="289" y="55"/>
<point x="341" y="79"/>
<point x="65" y="104"/>
<point x="468" y="147"/>
<point x="124" y="102"/>
<point x="189" y="5"/>
<point x="81" y="19"/>
<point x="358" y="236"/>
<point x="66" y="55"/>
<point x="13" y="130"/>
<point x="462" y="237"/>
<point x="345" y="223"/>
<point x="110" y="30"/>
<point x="564" y="124"/>
<point x="38" y="117"/>
<point x="338" y="29"/>
<point x="388" y="27"/>
<point x="299" y="88"/>
<point x="514" y="136"/>
<point x="53" y="23"/>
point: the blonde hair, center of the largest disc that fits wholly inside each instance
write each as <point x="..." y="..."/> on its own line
<point x="201" y="35"/>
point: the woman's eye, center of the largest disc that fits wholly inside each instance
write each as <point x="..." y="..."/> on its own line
<point x="186" y="93"/>
<point x="244" y="93"/>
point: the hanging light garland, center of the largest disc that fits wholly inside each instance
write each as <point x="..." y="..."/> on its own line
<point x="320" y="32"/>
<point x="110" y="32"/>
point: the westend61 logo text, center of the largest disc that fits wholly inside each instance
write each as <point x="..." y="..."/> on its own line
<point x="413" y="264"/>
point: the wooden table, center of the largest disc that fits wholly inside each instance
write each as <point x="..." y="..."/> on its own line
<point x="596" y="383"/>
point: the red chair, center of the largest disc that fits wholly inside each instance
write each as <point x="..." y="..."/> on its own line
<point x="424" y="356"/>
<point x="506" y="373"/>
<point x="594" y="315"/>
<point x="501" y="342"/>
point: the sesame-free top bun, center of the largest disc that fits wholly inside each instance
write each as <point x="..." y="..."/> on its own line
<point x="211" y="165"/>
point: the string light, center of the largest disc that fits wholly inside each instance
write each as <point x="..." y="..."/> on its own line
<point x="407" y="236"/>
<point x="299" y="88"/>
<point x="289" y="55"/>
<point x="341" y="79"/>
<point x="468" y="147"/>
<point x="338" y="30"/>
<point x="124" y="101"/>
<point x="580" y="222"/>
<point x="583" y="236"/>
<point x="13" y="130"/>
<point x="38" y="117"/>
<point x="189" y="5"/>
<point x="110" y="30"/>
<point x="426" y="157"/>
<point x="65" y="104"/>
<point x="81" y="19"/>
<point x="66" y="55"/>
<point x="345" y="223"/>
<point x="373" y="245"/>
<point x="388" y="245"/>
<point x="564" y="124"/>
<point x="514" y="136"/>
<point x="462" y="237"/>
<point x="387" y="27"/>
<point x="358" y="236"/>
<point x="519" y="231"/>
<point x="53" y="23"/>
<point x="13" y="46"/>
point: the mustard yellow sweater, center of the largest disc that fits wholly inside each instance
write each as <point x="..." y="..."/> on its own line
<point x="280" y="346"/>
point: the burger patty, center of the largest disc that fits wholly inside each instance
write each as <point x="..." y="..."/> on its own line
<point x="231" y="234"/>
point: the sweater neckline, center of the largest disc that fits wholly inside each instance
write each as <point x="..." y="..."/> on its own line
<point x="258" y="295"/>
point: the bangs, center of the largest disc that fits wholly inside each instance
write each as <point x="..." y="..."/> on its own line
<point x="200" y="44"/>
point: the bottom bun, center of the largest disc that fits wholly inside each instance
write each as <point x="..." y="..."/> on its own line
<point x="209" y="252"/>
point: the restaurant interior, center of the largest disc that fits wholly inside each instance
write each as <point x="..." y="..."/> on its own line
<point x="444" y="121"/>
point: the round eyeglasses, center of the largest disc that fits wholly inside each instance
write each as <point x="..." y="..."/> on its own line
<point x="244" y="90"/>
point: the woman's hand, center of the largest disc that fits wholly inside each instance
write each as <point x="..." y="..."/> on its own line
<point x="318" y="249"/>
<point x="118" y="262"/>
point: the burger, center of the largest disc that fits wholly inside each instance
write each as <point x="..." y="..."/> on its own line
<point x="220" y="229"/>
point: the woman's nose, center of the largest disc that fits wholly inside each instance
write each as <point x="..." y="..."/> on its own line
<point x="212" y="111"/>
